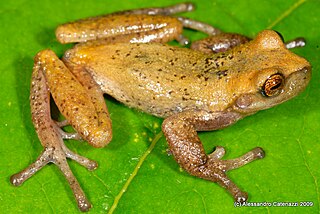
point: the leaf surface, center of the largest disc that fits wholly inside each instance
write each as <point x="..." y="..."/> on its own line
<point x="132" y="176"/>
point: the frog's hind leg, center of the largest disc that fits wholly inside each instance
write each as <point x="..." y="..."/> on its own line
<point x="46" y="67"/>
<point x="174" y="9"/>
<point x="49" y="135"/>
<point x="186" y="22"/>
<point x="149" y="25"/>
<point x="79" y="99"/>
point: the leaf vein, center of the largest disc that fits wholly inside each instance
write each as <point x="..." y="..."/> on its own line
<point x="286" y="13"/>
<point x="202" y="200"/>
<point x="46" y="196"/>
<point x="101" y="181"/>
<point x="135" y="172"/>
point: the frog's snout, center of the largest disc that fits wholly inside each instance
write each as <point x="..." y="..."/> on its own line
<point x="306" y="71"/>
<point x="298" y="81"/>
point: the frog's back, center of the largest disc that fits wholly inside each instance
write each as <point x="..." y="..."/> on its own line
<point x="158" y="79"/>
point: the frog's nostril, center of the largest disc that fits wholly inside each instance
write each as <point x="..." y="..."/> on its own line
<point x="305" y="74"/>
<point x="298" y="81"/>
<point x="306" y="69"/>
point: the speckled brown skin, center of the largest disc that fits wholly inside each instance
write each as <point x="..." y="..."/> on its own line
<point x="225" y="41"/>
<point x="194" y="91"/>
<point x="181" y="133"/>
<point x="134" y="26"/>
<point x="48" y="132"/>
<point x="116" y="25"/>
<point x="168" y="80"/>
<point x="219" y="43"/>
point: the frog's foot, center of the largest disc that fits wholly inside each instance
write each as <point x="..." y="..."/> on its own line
<point x="170" y="10"/>
<point x="215" y="169"/>
<point x="58" y="155"/>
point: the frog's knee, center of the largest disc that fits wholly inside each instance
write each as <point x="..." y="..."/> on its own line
<point x="44" y="57"/>
<point x="99" y="138"/>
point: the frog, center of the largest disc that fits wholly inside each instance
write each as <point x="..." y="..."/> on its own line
<point x="195" y="89"/>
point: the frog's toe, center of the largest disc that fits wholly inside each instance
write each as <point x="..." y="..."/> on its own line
<point x="62" y="123"/>
<point x="183" y="40"/>
<point x="241" y="197"/>
<point x="60" y="160"/>
<point x="215" y="171"/>
<point x="70" y="136"/>
<point x="254" y="154"/>
<point x="259" y="152"/>
<point x="218" y="153"/>
<point x="66" y="135"/>
<point x="43" y="159"/>
<point x="89" y="164"/>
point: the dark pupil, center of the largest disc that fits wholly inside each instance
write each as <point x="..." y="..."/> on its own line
<point x="277" y="84"/>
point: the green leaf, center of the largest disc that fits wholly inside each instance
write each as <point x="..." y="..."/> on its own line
<point x="129" y="179"/>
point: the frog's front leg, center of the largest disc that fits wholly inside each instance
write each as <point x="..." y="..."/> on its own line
<point x="81" y="102"/>
<point x="181" y="133"/>
<point x="225" y="41"/>
<point x="219" y="43"/>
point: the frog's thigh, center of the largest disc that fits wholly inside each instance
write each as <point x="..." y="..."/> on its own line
<point x="181" y="133"/>
<point x="80" y="101"/>
<point x="121" y="28"/>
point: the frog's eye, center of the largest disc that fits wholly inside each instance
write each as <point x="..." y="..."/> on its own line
<point x="280" y="36"/>
<point x="273" y="85"/>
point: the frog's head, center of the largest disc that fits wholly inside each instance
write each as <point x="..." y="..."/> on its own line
<point x="280" y="76"/>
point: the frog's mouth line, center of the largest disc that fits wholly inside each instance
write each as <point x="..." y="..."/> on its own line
<point x="294" y="84"/>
